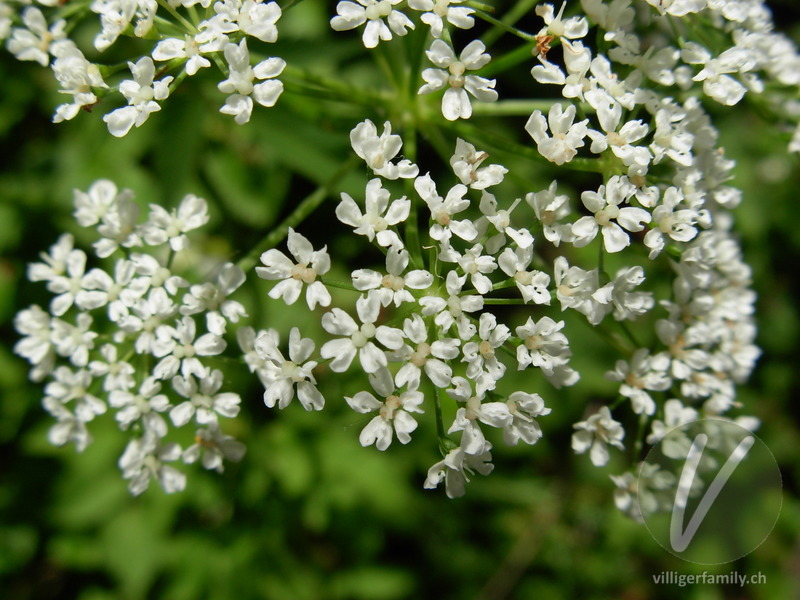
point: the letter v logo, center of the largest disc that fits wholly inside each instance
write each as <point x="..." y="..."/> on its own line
<point x="680" y="540"/>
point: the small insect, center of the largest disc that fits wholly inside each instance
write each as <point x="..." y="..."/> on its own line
<point x="543" y="44"/>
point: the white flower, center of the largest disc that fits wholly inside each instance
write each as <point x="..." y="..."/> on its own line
<point x="671" y="222"/>
<point x="100" y="289"/>
<point x="456" y="466"/>
<point x="70" y="385"/>
<point x="613" y="15"/>
<point x="378" y="216"/>
<point x="141" y="92"/>
<point x="68" y="286"/>
<point x="68" y="427"/>
<point x="153" y="275"/>
<point x="438" y="10"/>
<point x="240" y="82"/>
<point x="149" y="313"/>
<point x="717" y="83"/>
<point x="252" y="17"/>
<point x="608" y="217"/>
<point x="55" y="263"/>
<point x="566" y="137"/>
<point x="466" y="163"/>
<point x="450" y="74"/>
<point x="580" y="290"/>
<point x="671" y="137"/>
<point x="650" y="490"/>
<point x="145" y="405"/>
<point x="675" y="414"/>
<point x="93" y="205"/>
<point x="76" y="76"/>
<point x="550" y="209"/>
<point x="577" y="60"/>
<point x="627" y="92"/>
<point x="178" y="348"/>
<point x="531" y="284"/>
<point x="501" y="220"/>
<point x="213" y="32"/>
<point x="118" y="227"/>
<point x="424" y="356"/>
<point x="287" y="375"/>
<point x="391" y="287"/>
<point x="546" y="347"/>
<point x="494" y="414"/>
<point x="292" y="276"/>
<point x="215" y="447"/>
<point x="480" y="356"/>
<point x="358" y="339"/>
<point x="116" y="17"/>
<point x="256" y="363"/>
<point x="144" y="459"/>
<point x="372" y="12"/>
<point x="187" y="48"/>
<point x="609" y="113"/>
<point x="202" y="400"/>
<point x="594" y="433"/>
<point x="36" y="347"/>
<point x="74" y="341"/>
<point x="451" y="310"/>
<point x="33" y="42"/>
<point x="629" y="304"/>
<point x="524" y="407"/>
<point x="644" y="373"/>
<point x="443" y="209"/>
<point x="162" y="226"/>
<point x="475" y="265"/>
<point x="212" y="299"/>
<point x="572" y="28"/>
<point x="679" y="339"/>
<point x="378" y="151"/>
<point x="117" y="374"/>
<point x="394" y="412"/>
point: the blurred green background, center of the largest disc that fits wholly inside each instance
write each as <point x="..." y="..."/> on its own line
<point x="309" y="514"/>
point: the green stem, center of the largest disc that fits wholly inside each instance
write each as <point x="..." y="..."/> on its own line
<point x="303" y="210"/>
<point x="290" y="4"/>
<point x="505" y="26"/>
<point x="505" y="301"/>
<point x="412" y="223"/>
<point x="438" y="410"/>
<point x="509" y="60"/>
<point x="640" y="429"/>
<point x="336" y="284"/>
<point x="512" y="107"/>
<point x="511" y="282"/>
<point x="511" y="16"/>
<point x="629" y="334"/>
<point x="336" y="88"/>
<point x="190" y="27"/>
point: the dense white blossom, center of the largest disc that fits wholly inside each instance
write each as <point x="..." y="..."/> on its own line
<point x="393" y="411"/>
<point x="142" y="93"/>
<point x="241" y="82"/>
<point x="566" y="136"/>
<point x="372" y="12"/>
<point x="292" y="276"/>
<point x="595" y="434"/>
<point x="451" y="74"/>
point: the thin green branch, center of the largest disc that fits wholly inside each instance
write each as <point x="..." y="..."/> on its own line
<point x="303" y="210"/>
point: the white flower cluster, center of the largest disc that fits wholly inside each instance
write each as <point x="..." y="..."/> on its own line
<point x="423" y="327"/>
<point x="425" y="321"/>
<point x="134" y="336"/>
<point x="223" y="34"/>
